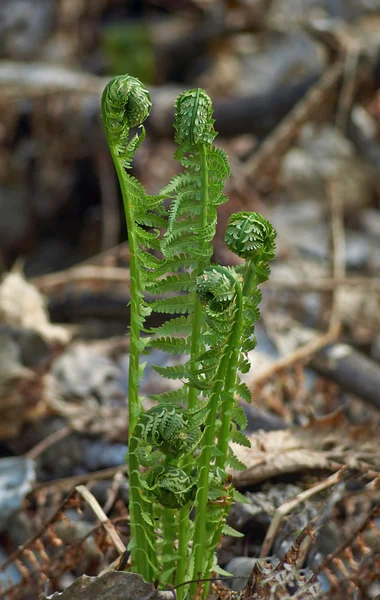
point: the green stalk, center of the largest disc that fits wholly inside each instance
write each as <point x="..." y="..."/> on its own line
<point x="202" y="496"/>
<point x="208" y="442"/>
<point x="230" y="380"/>
<point x="193" y="392"/>
<point x="141" y="550"/>
<point x="201" y="264"/>
<point x="225" y="413"/>
<point x="169" y="529"/>
<point x="249" y="277"/>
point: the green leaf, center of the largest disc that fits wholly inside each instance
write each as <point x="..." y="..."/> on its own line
<point x="227" y="530"/>
<point x="244" y="392"/>
<point x="172" y="372"/>
<point x="239" y="438"/>
<point x="234" y="462"/>
<point x="176" y="304"/>
<point x="219" y="571"/>
<point x="238" y="497"/>
<point x="172" y="345"/>
<point x="239" y="417"/>
<point x="132" y="544"/>
<point x="175" y="396"/>
<point x="179" y="325"/>
<point x="244" y="365"/>
<point x="182" y="282"/>
<point x="146" y="518"/>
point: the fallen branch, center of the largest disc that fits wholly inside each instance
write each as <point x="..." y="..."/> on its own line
<point x="100" y="514"/>
<point x="290" y="505"/>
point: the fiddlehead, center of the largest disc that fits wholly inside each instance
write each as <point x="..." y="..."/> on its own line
<point x="170" y="429"/>
<point x="250" y="235"/>
<point x="169" y="486"/>
<point x="193" y="120"/>
<point x="220" y="291"/>
<point x="126" y="104"/>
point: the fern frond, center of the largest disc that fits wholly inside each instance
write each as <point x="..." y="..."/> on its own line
<point x="234" y="462"/>
<point x="175" y="304"/>
<point x="183" y="282"/>
<point x="239" y="438"/>
<point x="172" y="345"/>
<point x="244" y="392"/>
<point x="178" y="325"/>
<point x="174" y="396"/>
<point x="172" y="372"/>
<point x="239" y="417"/>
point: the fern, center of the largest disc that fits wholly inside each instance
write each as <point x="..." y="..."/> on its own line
<point x="179" y="449"/>
<point x="126" y="104"/>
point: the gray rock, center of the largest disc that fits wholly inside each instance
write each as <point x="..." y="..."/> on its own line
<point x="241" y="567"/>
<point x="369" y="219"/>
<point x="324" y="153"/>
<point x="23" y="26"/>
<point x="283" y="57"/>
<point x="84" y="372"/>
<point x="16" y="476"/>
<point x="15" y="213"/>
<point x="292" y="10"/>
<point x="10" y="574"/>
<point x="113" y="585"/>
<point x="358" y="250"/>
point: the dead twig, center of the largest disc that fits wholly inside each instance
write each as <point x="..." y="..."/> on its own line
<point x="113" y="491"/>
<point x="100" y="514"/>
<point x="290" y="505"/>
<point x="306" y="353"/>
<point x="69" y="482"/>
<point x="300" y="355"/>
<point x="293" y="555"/>
<point x="373" y="514"/>
<point x="323" y="284"/>
<point x="339" y="251"/>
<point x="346" y="95"/>
<point x="55" y="517"/>
<point x="82" y="274"/>
<point x="281" y="137"/>
<point x="47" y="442"/>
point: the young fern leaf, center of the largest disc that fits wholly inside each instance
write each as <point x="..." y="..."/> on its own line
<point x="219" y="290"/>
<point x="216" y="308"/>
<point x="194" y="196"/>
<point x="178" y="325"/>
<point x="126" y="104"/>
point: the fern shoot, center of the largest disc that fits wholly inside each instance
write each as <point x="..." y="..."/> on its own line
<point x="126" y="104"/>
<point x="179" y="449"/>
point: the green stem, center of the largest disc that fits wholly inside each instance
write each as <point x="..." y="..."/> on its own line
<point x="183" y="533"/>
<point x="169" y="535"/>
<point x="141" y="550"/>
<point x="143" y="556"/>
<point x="230" y="380"/>
<point x="249" y="277"/>
<point x="205" y="459"/>
<point x="207" y="445"/>
<point x="201" y="264"/>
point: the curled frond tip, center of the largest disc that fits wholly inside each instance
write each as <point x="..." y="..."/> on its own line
<point x="193" y="120"/>
<point x="125" y="101"/>
<point x="250" y="235"/>
<point x="216" y="287"/>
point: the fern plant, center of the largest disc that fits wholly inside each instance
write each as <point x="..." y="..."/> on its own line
<point x="180" y="492"/>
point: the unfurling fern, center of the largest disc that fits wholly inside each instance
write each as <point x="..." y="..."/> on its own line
<point x="179" y="450"/>
<point x="126" y="104"/>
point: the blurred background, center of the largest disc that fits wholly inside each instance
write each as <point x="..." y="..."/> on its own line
<point x="295" y="88"/>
